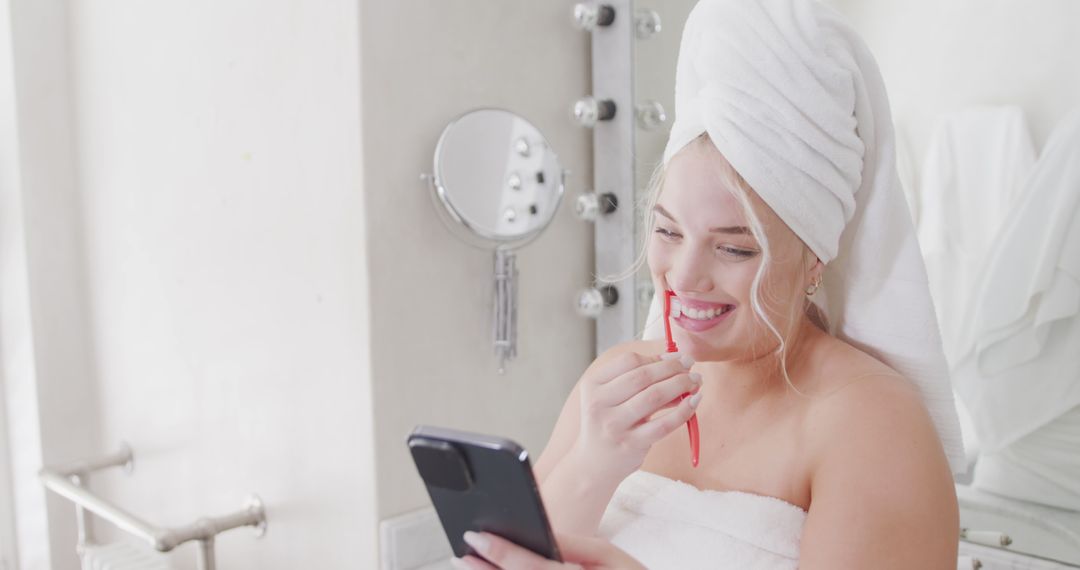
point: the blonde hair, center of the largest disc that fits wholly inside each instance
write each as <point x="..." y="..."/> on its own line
<point x="734" y="183"/>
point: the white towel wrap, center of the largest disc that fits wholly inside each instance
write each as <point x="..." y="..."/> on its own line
<point x="669" y="524"/>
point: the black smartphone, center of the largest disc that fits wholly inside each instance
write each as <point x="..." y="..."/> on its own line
<point x="482" y="483"/>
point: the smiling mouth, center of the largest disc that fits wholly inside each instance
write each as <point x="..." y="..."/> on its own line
<point x="698" y="314"/>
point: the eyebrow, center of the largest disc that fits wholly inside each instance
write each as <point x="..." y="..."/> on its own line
<point x="720" y="230"/>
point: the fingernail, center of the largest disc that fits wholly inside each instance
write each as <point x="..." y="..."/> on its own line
<point x="477" y="541"/>
<point x="695" y="400"/>
<point x="687" y="361"/>
<point x="459" y="564"/>
<point x="695" y="378"/>
<point x="670" y="355"/>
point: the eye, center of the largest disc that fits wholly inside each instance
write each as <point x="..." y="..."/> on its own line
<point x="740" y="253"/>
<point x="667" y="234"/>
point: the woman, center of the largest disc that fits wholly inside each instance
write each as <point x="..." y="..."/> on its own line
<point x="827" y="432"/>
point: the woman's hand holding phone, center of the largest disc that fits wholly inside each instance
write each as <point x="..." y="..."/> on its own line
<point x="583" y="552"/>
<point x="618" y="405"/>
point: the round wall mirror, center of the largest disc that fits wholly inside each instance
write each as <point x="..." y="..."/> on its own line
<point x="497" y="184"/>
<point x="497" y="178"/>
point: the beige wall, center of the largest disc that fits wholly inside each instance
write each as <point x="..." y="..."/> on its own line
<point x="433" y="363"/>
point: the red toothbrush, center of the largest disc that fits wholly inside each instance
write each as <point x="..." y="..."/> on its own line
<point x="691" y="424"/>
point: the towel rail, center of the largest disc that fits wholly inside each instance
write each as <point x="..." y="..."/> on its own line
<point x="68" y="481"/>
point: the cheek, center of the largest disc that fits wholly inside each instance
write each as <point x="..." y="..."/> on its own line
<point x="658" y="258"/>
<point x="742" y="274"/>
<point x="735" y="278"/>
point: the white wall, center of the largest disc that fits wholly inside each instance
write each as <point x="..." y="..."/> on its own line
<point x="941" y="56"/>
<point x="221" y="162"/>
<point x="191" y="185"/>
<point x="48" y="372"/>
<point x="16" y="346"/>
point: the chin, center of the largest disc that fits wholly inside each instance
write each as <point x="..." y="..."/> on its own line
<point x="705" y="352"/>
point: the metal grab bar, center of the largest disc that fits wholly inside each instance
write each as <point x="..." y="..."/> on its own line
<point x="68" y="480"/>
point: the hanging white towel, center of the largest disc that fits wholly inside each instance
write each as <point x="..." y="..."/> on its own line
<point x="974" y="171"/>
<point x="1041" y="467"/>
<point x="1034" y="275"/>
<point x="1025" y="368"/>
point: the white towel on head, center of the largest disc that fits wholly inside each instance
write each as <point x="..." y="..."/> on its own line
<point x="792" y="97"/>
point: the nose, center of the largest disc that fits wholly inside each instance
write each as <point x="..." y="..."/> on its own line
<point x="689" y="272"/>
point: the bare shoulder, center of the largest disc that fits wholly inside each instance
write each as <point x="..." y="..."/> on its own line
<point x="865" y="403"/>
<point x="881" y="488"/>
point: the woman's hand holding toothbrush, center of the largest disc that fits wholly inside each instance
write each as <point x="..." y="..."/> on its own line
<point x="617" y="422"/>
<point x="618" y="405"/>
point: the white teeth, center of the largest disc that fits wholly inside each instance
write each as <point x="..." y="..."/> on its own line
<point x="699" y="314"/>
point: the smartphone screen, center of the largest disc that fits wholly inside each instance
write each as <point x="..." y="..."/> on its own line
<point x="482" y="483"/>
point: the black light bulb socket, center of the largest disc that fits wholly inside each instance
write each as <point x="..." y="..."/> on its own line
<point x="605" y="110"/>
<point x="608" y="202"/>
<point x="610" y="294"/>
<point x="606" y="15"/>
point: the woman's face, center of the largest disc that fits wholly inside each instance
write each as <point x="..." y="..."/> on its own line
<point x="702" y="248"/>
